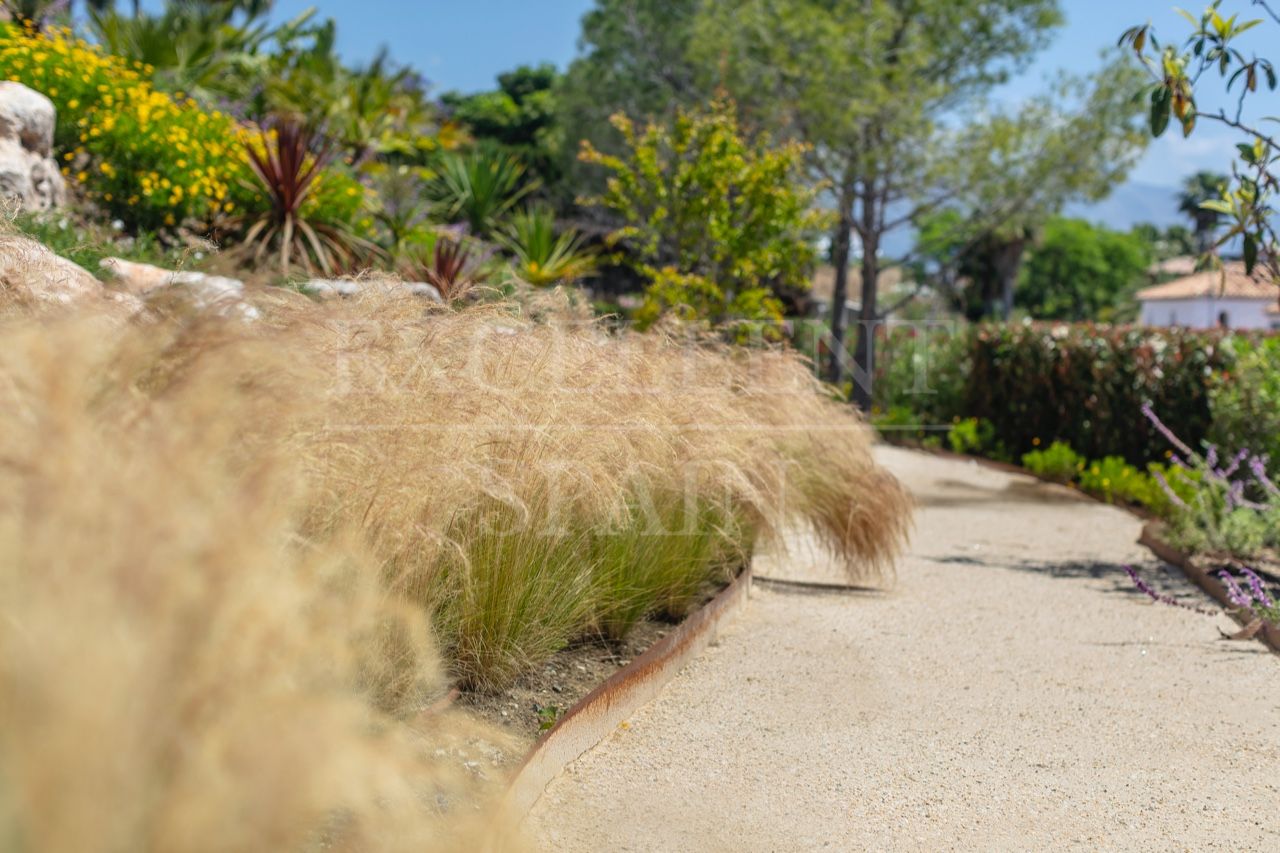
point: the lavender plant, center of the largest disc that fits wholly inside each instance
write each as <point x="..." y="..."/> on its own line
<point x="1252" y="596"/>
<point x="1220" y="502"/>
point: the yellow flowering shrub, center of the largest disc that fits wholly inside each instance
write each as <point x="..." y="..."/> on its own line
<point x="152" y="159"/>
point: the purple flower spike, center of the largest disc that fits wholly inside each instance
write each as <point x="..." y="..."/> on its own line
<point x="1145" y="588"/>
<point x="1165" y="431"/>
<point x="1258" y="466"/>
<point x="1238" y="596"/>
<point x="1257" y="587"/>
<point x="1235" y="463"/>
<point x="1168" y="490"/>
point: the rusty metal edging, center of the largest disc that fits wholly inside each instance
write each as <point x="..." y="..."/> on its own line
<point x="1204" y="579"/>
<point x="600" y="712"/>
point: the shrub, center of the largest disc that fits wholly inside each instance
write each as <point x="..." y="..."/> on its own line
<point x="924" y="370"/>
<point x="974" y="435"/>
<point x="146" y="157"/>
<point x="1058" y="462"/>
<point x="289" y="162"/>
<point x="1245" y="400"/>
<point x="1086" y="385"/>
<point x="543" y="257"/>
<point x="1115" y="480"/>
<point x="151" y="159"/>
<point x="718" y="224"/>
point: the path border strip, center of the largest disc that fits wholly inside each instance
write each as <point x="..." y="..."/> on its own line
<point x="598" y="714"/>
<point x="1204" y="578"/>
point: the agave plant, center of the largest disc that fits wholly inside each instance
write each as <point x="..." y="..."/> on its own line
<point x="447" y="265"/>
<point x="287" y="163"/>
<point x="543" y="257"/>
<point x="477" y="189"/>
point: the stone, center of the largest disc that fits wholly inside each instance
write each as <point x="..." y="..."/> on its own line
<point x="30" y="272"/>
<point x="28" y="173"/>
<point x="325" y="288"/>
<point x="206" y="292"/>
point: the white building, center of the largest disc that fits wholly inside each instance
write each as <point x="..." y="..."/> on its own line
<point x="1203" y="300"/>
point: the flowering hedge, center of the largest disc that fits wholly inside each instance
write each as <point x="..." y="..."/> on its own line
<point x="149" y="158"/>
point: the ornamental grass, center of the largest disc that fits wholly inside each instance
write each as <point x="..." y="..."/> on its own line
<point x="237" y="560"/>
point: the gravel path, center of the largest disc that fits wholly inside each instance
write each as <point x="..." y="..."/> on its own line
<point x="1011" y="692"/>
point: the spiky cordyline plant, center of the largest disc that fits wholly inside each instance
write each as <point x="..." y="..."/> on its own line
<point x="449" y="266"/>
<point x="543" y="257"/>
<point x="291" y="158"/>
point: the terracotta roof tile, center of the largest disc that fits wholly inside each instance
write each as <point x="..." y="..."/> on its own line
<point x="1237" y="285"/>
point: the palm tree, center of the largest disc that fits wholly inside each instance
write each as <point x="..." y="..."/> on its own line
<point x="1197" y="189"/>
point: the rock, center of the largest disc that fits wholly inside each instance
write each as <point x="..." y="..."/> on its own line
<point x="325" y="288"/>
<point x="206" y="292"/>
<point x="28" y="171"/>
<point x="137" y="278"/>
<point x="30" y="272"/>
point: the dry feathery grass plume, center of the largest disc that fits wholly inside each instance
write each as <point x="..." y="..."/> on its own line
<point x="233" y="554"/>
<point x="179" y="668"/>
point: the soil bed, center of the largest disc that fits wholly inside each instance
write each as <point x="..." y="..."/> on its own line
<point x="542" y="696"/>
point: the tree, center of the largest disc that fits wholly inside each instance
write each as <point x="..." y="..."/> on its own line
<point x="1247" y="203"/>
<point x="1196" y="190"/>
<point x="1078" y="271"/>
<point x="635" y="61"/>
<point x="716" y="224"/>
<point x="519" y="117"/>
<point x="1017" y="169"/>
<point x="865" y="84"/>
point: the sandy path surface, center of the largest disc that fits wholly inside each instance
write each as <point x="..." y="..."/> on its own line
<point x="1011" y="692"/>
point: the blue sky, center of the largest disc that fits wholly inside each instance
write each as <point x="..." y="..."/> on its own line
<point x="463" y="45"/>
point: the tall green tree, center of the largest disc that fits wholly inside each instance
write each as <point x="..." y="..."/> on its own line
<point x="1016" y="169"/>
<point x="1196" y="190"/>
<point x="867" y="83"/>
<point x="519" y="117"/>
<point x="634" y="60"/>
<point x="1078" y="271"/>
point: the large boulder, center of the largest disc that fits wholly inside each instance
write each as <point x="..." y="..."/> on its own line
<point x="28" y="172"/>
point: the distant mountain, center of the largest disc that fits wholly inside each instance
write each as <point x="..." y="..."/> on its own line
<point x="1130" y="204"/>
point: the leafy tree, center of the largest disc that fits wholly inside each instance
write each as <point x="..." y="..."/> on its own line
<point x="1018" y="169"/>
<point x="866" y="83"/>
<point x="519" y="116"/>
<point x="635" y="60"/>
<point x="1177" y="72"/>
<point x="1078" y="271"/>
<point x="1172" y="242"/>
<point x="716" y="224"/>
<point x="1196" y="190"/>
<point x="204" y="49"/>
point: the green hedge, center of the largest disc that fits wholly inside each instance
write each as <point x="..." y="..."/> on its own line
<point x="1084" y="385"/>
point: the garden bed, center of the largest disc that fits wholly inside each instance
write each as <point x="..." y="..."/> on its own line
<point x="541" y="697"/>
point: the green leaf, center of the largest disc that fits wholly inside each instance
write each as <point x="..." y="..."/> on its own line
<point x="1161" y="99"/>
<point x="1218" y="205"/>
<point x="1250" y="253"/>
